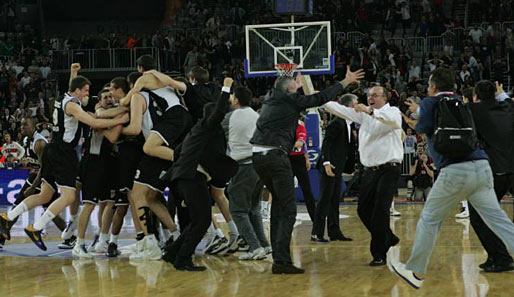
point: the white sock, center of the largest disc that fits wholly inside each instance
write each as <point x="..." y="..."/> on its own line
<point x="103" y="237"/>
<point x="17" y="211"/>
<point x="465" y="204"/>
<point x="219" y="233"/>
<point x="175" y="234"/>
<point x="42" y="221"/>
<point x="114" y="238"/>
<point x="166" y="234"/>
<point x="392" y="205"/>
<point x="233" y="228"/>
<point x="80" y="241"/>
<point x="264" y="205"/>
<point x="211" y="230"/>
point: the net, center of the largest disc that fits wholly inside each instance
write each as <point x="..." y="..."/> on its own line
<point x="285" y="69"/>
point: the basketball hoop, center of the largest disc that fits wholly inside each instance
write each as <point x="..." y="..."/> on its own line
<point x="285" y="69"/>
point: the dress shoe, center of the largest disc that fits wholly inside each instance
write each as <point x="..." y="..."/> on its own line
<point x="169" y="256"/>
<point x="286" y="268"/>
<point x="499" y="268"/>
<point x="340" y="237"/>
<point x="488" y="262"/>
<point x="377" y="262"/>
<point x="189" y="266"/>
<point x="318" y="239"/>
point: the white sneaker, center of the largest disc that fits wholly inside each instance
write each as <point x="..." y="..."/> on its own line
<point x="70" y="228"/>
<point x="91" y="248"/>
<point x="257" y="254"/>
<point x="407" y="275"/>
<point x="393" y="212"/>
<point x="138" y="253"/>
<point x="101" y="247"/>
<point x="465" y="211"/>
<point x="268" y="250"/>
<point x="221" y="247"/>
<point x="151" y="250"/>
<point x="80" y="251"/>
<point x="214" y="242"/>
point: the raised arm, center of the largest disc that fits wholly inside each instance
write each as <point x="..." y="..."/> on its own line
<point x="221" y="105"/>
<point x="74" y="70"/>
<point x="344" y="112"/>
<point x="76" y="111"/>
<point x="390" y="116"/>
<point x="330" y="93"/>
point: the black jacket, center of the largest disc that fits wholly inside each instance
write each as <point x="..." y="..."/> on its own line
<point x="278" y="118"/>
<point x="336" y="148"/>
<point x="203" y="145"/>
<point x="494" y="122"/>
<point x="197" y="95"/>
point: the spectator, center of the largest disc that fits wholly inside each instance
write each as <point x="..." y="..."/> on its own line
<point x="25" y="80"/>
<point x="423" y="173"/>
<point x="414" y="71"/>
<point x="410" y="143"/>
<point x="464" y="72"/>
<point x="476" y="33"/>
<point x="12" y="148"/>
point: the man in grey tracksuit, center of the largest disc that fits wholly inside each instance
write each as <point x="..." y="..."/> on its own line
<point x="245" y="187"/>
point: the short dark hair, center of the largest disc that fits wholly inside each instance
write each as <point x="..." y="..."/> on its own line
<point x="101" y="92"/>
<point x="133" y="76"/>
<point x="121" y="82"/>
<point x="243" y="95"/>
<point x="199" y="73"/>
<point x="78" y="83"/>
<point x="485" y="90"/>
<point x="443" y="79"/>
<point x="31" y="120"/>
<point x="468" y="93"/>
<point x="147" y="62"/>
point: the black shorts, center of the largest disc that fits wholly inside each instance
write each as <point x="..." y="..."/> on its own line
<point x="128" y="160"/>
<point x="121" y="199"/>
<point x="173" y="126"/>
<point x="30" y="180"/>
<point x="98" y="178"/>
<point x="59" y="166"/>
<point x="149" y="172"/>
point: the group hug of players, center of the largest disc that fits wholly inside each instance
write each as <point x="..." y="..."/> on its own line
<point x="146" y="132"/>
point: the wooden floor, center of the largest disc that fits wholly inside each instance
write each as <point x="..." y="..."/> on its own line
<point x="332" y="269"/>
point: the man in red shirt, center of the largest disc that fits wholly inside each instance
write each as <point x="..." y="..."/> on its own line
<point x="301" y="165"/>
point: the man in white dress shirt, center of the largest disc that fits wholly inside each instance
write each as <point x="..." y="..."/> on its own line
<point x="381" y="152"/>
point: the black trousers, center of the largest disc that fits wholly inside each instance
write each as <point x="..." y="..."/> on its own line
<point x="274" y="170"/>
<point x="328" y="206"/>
<point x="196" y="195"/>
<point x="493" y="245"/>
<point x="301" y="173"/>
<point x="376" y="194"/>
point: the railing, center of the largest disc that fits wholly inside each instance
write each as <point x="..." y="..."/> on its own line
<point x="355" y="38"/>
<point x="406" y="164"/>
<point x="102" y="59"/>
<point x="337" y="37"/>
<point x="434" y="43"/>
<point x="398" y="42"/>
<point x="417" y="44"/>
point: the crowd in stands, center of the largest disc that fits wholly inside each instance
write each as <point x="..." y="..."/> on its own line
<point x="210" y="34"/>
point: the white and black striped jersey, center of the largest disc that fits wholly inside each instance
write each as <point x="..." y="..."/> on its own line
<point x="161" y="100"/>
<point x="66" y="129"/>
<point x="29" y="145"/>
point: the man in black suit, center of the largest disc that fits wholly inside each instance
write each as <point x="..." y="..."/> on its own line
<point x="272" y="141"/>
<point x="336" y="149"/>
<point x="195" y="165"/>
<point x="494" y="122"/>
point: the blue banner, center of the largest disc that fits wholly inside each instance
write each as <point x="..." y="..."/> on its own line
<point x="11" y="182"/>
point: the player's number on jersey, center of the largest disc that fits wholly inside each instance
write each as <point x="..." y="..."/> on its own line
<point x="55" y="117"/>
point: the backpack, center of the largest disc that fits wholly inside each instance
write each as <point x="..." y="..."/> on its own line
<point x="455" y="135"/>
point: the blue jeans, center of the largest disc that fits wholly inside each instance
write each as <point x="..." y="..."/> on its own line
<point x="468" y="180"/>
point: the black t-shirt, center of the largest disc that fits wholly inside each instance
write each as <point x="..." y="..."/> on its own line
<point x="421" y="177"/>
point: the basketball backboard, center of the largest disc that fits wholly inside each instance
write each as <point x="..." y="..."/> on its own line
<point x="305" y="44"/>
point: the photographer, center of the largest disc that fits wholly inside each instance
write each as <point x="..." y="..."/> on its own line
<point x="422" y="174"/>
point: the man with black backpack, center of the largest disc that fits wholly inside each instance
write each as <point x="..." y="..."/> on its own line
<point x="465" y="174"/>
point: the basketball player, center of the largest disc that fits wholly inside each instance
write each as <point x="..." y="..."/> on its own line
<point x="97" y="172"/>
<point x="196" y="94"/>
<point x="34" y="144"/>
<point x="59" y="162"/>
<point x="170" y="123"/>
